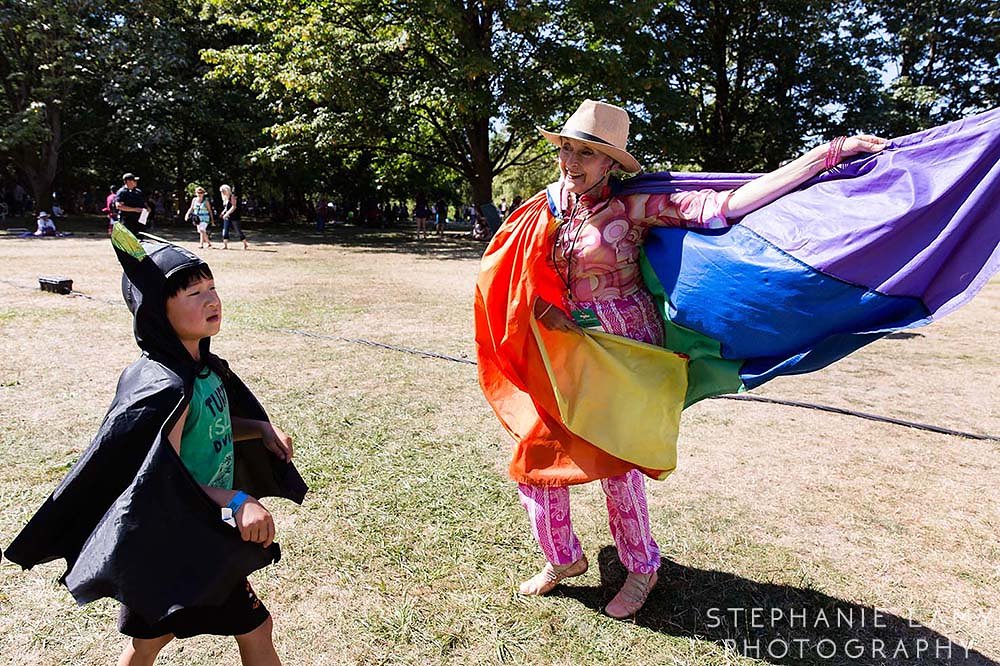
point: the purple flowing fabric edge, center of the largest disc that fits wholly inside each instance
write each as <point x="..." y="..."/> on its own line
<point x="919" y="219"/>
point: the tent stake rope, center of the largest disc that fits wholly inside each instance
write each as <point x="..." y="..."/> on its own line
<point x="741" y="397"/>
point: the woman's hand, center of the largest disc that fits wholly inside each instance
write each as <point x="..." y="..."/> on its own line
<point x="255" y="523"/>
<point x="862" y="143"/>
<point x="553" y="318"/>
<point x="276" y="441"/>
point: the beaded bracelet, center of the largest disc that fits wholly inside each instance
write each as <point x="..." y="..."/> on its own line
<point x="834" y="151"/>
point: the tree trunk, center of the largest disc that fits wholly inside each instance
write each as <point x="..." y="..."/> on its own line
<point x="38" y="187"/>
<point x="482" y="188"/>
<point x="475" y="34"/>
<point x="717" y="146"/>
<point x="40" y="168"/>
<point x="180" y="195"/>
<point x="481" y="180"/>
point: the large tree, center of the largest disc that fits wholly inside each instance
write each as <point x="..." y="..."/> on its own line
<point x="737" y="84"/>
<point x="460" y="84"/>
<point x="457" y="84"/>
<point x="171" y="123"/>
<point x="357" y="98"/>
<point x="945" y="59"/>
<point x="52" y="62"/>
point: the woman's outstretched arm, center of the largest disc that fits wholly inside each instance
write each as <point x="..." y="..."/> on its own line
<point x="770" y="186"/>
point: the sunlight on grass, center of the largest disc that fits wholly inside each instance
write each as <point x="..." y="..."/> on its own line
<point x="411" y="542"/>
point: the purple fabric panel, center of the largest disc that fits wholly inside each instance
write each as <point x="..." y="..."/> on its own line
<point x="681" y="181"/>
<point x="685" y="181"/>
<point x="920" y="219"/>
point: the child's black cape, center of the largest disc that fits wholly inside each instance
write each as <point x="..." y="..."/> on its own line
<point x="129" y="519"/>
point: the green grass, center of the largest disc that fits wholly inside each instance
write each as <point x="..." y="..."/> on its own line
<point x="411" y="542"/>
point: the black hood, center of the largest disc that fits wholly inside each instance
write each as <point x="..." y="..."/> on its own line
<point x="147" y="264"/>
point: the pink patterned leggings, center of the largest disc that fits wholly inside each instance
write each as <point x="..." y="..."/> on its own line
<point x="628" y="516"/>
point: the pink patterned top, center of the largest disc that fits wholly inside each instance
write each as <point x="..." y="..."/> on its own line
<point x="610" y="230"/>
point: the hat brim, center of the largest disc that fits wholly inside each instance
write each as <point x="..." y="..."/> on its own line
<point x="628" y="163"/>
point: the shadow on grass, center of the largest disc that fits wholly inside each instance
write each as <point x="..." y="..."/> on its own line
<point x="903" y="335"/>
<point x="453" y="245"/>
<point x="270" y="237"/>
<point x="775" y="623"/>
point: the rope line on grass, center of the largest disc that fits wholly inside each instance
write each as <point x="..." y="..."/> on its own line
<point x="80" y="294"/>
<point x="372" y="343"/>
<point x="741" y="397"/>
<point x="860" y="415"/>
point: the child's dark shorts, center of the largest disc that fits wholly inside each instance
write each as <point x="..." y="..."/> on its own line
<point x="241" y="613"/>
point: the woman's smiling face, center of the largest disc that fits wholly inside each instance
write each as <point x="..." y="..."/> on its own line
<point x="581" y="166"/>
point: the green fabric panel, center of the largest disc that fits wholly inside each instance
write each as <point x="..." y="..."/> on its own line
<point x="708" y="373"/>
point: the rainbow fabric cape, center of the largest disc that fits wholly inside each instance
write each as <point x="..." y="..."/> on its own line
<point x="884" y="242"/>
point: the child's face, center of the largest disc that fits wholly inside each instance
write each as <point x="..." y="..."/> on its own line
<point x="196" y="311"/>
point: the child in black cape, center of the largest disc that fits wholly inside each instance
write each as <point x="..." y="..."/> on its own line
<point x="138" y="516"/>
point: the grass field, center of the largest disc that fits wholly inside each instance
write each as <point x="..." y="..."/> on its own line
<point x="411" y="542"/>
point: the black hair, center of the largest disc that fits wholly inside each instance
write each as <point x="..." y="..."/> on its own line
<point x="185" y="277"/>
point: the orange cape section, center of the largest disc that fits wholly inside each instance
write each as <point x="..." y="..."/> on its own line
<point x="549" y="389"/>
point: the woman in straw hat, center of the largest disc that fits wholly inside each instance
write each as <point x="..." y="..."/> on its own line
<point x="592" y="241"/>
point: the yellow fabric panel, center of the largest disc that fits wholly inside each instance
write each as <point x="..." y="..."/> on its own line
<point x="623" y="396"/>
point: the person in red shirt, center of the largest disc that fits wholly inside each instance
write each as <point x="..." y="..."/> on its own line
<point x="111" y="208"/>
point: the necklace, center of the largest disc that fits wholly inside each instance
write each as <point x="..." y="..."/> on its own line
<point x="571" y="246"/>
<point x="568" y="247"/>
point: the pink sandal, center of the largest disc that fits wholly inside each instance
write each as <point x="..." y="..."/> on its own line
<point x="631" y="598"/>
<point x="551" y="575"/>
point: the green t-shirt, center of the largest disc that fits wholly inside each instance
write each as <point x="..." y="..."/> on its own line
<point x="207" y="442"/>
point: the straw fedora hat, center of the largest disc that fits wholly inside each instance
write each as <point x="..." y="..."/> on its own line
<point x="602" y="126"/>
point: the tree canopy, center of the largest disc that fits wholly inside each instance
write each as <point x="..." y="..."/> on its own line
<point x="364" y="100"/>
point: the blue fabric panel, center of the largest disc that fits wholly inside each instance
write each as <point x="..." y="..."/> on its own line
<point x="765" y="307"/>
<point x="755" y="372"/>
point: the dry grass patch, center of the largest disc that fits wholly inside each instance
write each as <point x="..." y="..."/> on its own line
<point x="411" y="542"/>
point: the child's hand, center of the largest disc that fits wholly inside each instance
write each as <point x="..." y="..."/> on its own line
<point x="276" y="441"/>
<point x="255" y="523"/>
